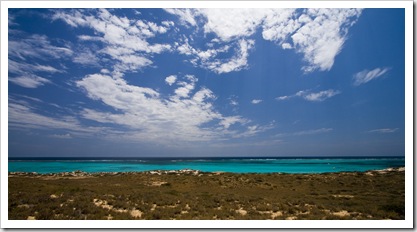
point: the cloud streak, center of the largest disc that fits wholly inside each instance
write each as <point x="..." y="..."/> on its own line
<point x="256" y="101"/>
<point x="29" y="81"/>
<point x="366" y="76"/>
<point x="313" y="132"/>
<point x="383" y="130"/>
<point x="311" y="96"/>
<point x="23" y="49"/>
<point x="306" y="132"/>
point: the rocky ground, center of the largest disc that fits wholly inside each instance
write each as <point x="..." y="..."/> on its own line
<point x="190" y="194"/>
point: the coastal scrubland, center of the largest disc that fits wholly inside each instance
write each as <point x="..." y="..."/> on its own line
<point x="196" y="195"/>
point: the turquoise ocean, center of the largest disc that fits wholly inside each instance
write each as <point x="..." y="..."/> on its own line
<point x="235" y="165"/>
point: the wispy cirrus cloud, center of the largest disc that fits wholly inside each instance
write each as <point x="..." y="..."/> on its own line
<point x="61" y="136"/>
<point x="383" y="130"/>
<point x="320" y="96"/>
<point x="366" y="76"/>
<point x="311" y="96"/>
<point x="24" y="49"/>
<point x="27" y="115"/>
<point x="313" y="132"/>
<point x="36" y="46"/>
<point x="29" y="81"/>
<point x="306" y="132"/>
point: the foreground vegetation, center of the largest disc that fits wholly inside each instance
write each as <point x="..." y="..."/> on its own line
<point x="194" y="195"/>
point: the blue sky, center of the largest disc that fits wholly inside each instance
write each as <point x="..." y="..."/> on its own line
<point x="206" y="82"/>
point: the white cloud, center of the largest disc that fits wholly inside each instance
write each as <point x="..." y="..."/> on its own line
<point x="184" y="116"/>
<point x="321" y="96"/>
<point x="366" y="75"/>
<point x="25" y="115"/>
<point x="125" y="40"/>
<point x="168" y="23"/>
<point x="318" y="34"/>
<point x="384" y="130"/>
<point x="208" y="58"/>
<point x="29" y="81"/>
<point x="34" y="49"/>
<point x="306" y="132"/>
<point x="322" y="37"/>
<point x="256" y="101"/>
<point x="131" y="62"/>
<point x="279" y="24"/>
<point x="36" y="46"/>
<point x="170" y="79"/>
<point x="255" y="129"/>
<point x="230" y="24"/>
<point x="90" y="38"/>
<point x="286" y="46"/>
<point x="22" y="67"/>
<point x="105" y="71"/>
<point x="61" y="136"/>
<point x="228" y="121"/>
<point x="309" y="96"/>
<point x="281" y="98"/>
<point x="86" y="58"/>
<point x="187" y="16"/>
<point x="313" y="132"/>
<point x="236" y="63"/>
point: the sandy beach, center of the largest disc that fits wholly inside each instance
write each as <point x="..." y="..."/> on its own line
<point x="190" y="194"/>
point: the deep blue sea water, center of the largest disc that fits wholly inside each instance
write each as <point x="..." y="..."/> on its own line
<point x="235" y="165"/>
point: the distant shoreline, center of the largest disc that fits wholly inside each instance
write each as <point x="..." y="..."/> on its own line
<point x="79" y="173"/>
<point x="200" y="158"/>
<point x="248" y="165"/>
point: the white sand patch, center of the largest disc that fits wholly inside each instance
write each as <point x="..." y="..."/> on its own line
<point x="342" y="213"/>
<point x="241" y="211"/>
<point x="158" y="183"/>
<point x="136" y="213"/>
<point x="276" y="214"/>
<point x="303" y="213"/>
<point x="187" y="207"/>
<point x="343" y="196"/>
<point x="121" y="210"/>
<point x="103" y="204"/>
<point x="272" y="213"/>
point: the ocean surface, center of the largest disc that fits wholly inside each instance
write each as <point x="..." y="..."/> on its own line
<point x="235" y="165"/>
